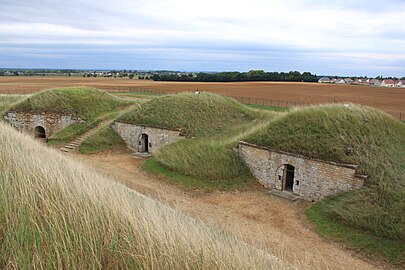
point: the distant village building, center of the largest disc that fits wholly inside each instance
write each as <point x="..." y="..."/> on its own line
<point x="324" y="80"/>
<point x="348" y="80"/>
<point x="340" y="81"/>
<point x="401" y="83"/>
<point x="362" y="81"/>
<point x="374" y="82"/>
<point x="388" y="83"/>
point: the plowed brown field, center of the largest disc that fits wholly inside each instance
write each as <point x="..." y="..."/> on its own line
<point x="391" y="100"/>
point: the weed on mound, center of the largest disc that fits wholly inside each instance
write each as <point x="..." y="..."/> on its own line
<point x="351" y="134"/>
<point x="196" y="115"/>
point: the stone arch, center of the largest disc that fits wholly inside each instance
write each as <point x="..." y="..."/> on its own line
<point x="39" y="132"/>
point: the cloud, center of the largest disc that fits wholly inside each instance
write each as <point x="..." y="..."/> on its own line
<point x="193" y="33"/>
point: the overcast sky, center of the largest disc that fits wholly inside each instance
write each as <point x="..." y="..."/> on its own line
<point x="323" y="37"/>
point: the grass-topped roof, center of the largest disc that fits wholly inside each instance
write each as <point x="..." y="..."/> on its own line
<point x="356" y="134"/>
<point x="345" y="133"/>
<point x="84" y="101"/>
<point x="194" y="114"/>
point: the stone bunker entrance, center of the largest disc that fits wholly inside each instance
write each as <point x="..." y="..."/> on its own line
<point x="39" y="132"/>
<point x="145" y="139"/>
<point x="40" y="124"/>
<point x="289" y="171"/>
<point x="310" y="178"/>
<point x="144" y="143"/>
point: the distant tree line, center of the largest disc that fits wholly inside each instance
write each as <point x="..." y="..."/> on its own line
<point x="253" y="75"/>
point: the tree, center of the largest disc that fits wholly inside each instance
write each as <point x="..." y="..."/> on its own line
<point x="131" y="76"/>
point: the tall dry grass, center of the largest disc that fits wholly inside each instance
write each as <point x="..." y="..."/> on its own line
<point x="57" y="214"/>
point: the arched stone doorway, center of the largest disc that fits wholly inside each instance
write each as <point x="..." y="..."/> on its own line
<point x="144" y="143"/>
<point x="39" y="132"/>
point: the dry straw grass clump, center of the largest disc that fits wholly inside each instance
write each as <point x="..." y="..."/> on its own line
<point x="57" y="214"/>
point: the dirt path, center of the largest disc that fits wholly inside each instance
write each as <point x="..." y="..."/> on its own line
<point x="263" y="220"/>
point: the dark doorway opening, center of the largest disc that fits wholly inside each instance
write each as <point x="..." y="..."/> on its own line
<point x="144" y="143"/>
<point x="289" y="177"/>
<point x="39" y="132"/>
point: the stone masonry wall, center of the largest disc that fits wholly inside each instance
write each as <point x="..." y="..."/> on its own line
<point x="313" y="179"/>
<point x="51" y="122"/>
<point x="158" y="137"/>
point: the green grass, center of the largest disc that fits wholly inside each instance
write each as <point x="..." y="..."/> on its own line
<point x="377" y="143"/>
<point x="91" y="105"/>
<point x="242" y="182"/>
<point x="7" y="101"/>
<point x="85" y="102"/>
<point x="269" y="108"/>
<point x="211" y="157"/>
<point x="196" y="115"/>
<point x="104" y="139"/>
<point x="71" y="132"/>
<point x="212" y="125"/>
<point x="391" y="250"/>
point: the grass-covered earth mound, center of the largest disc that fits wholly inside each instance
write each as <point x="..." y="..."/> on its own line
<point x="212" y="125"/>
<point x="90" y="104"/>
<point x="351" y="134"/>
<point x="85" y="102"/>
<point x="7" y="101"/>
<point x="195" y="115"/>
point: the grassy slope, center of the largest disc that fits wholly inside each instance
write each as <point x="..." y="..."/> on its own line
<point x="360" y="240"/>
<point x="7" y="101"/>
<point x="210" y="157"/>
<point x="55" y="213"/>
<point x="91" y="104"/>
<point x="84" y="101"/>
<point x="104" y="139"/>
<point x="242" y="182"/>
<point x="196" y="115"/>
<point x="217" y="123"/>
<point x="378" y="144"/>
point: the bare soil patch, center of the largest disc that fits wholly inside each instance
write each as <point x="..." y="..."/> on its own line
<point x="267" y="222"/>
<point x="391" y="100"/>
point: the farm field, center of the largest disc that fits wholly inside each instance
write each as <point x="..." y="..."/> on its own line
<point x="390" y="100"/>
